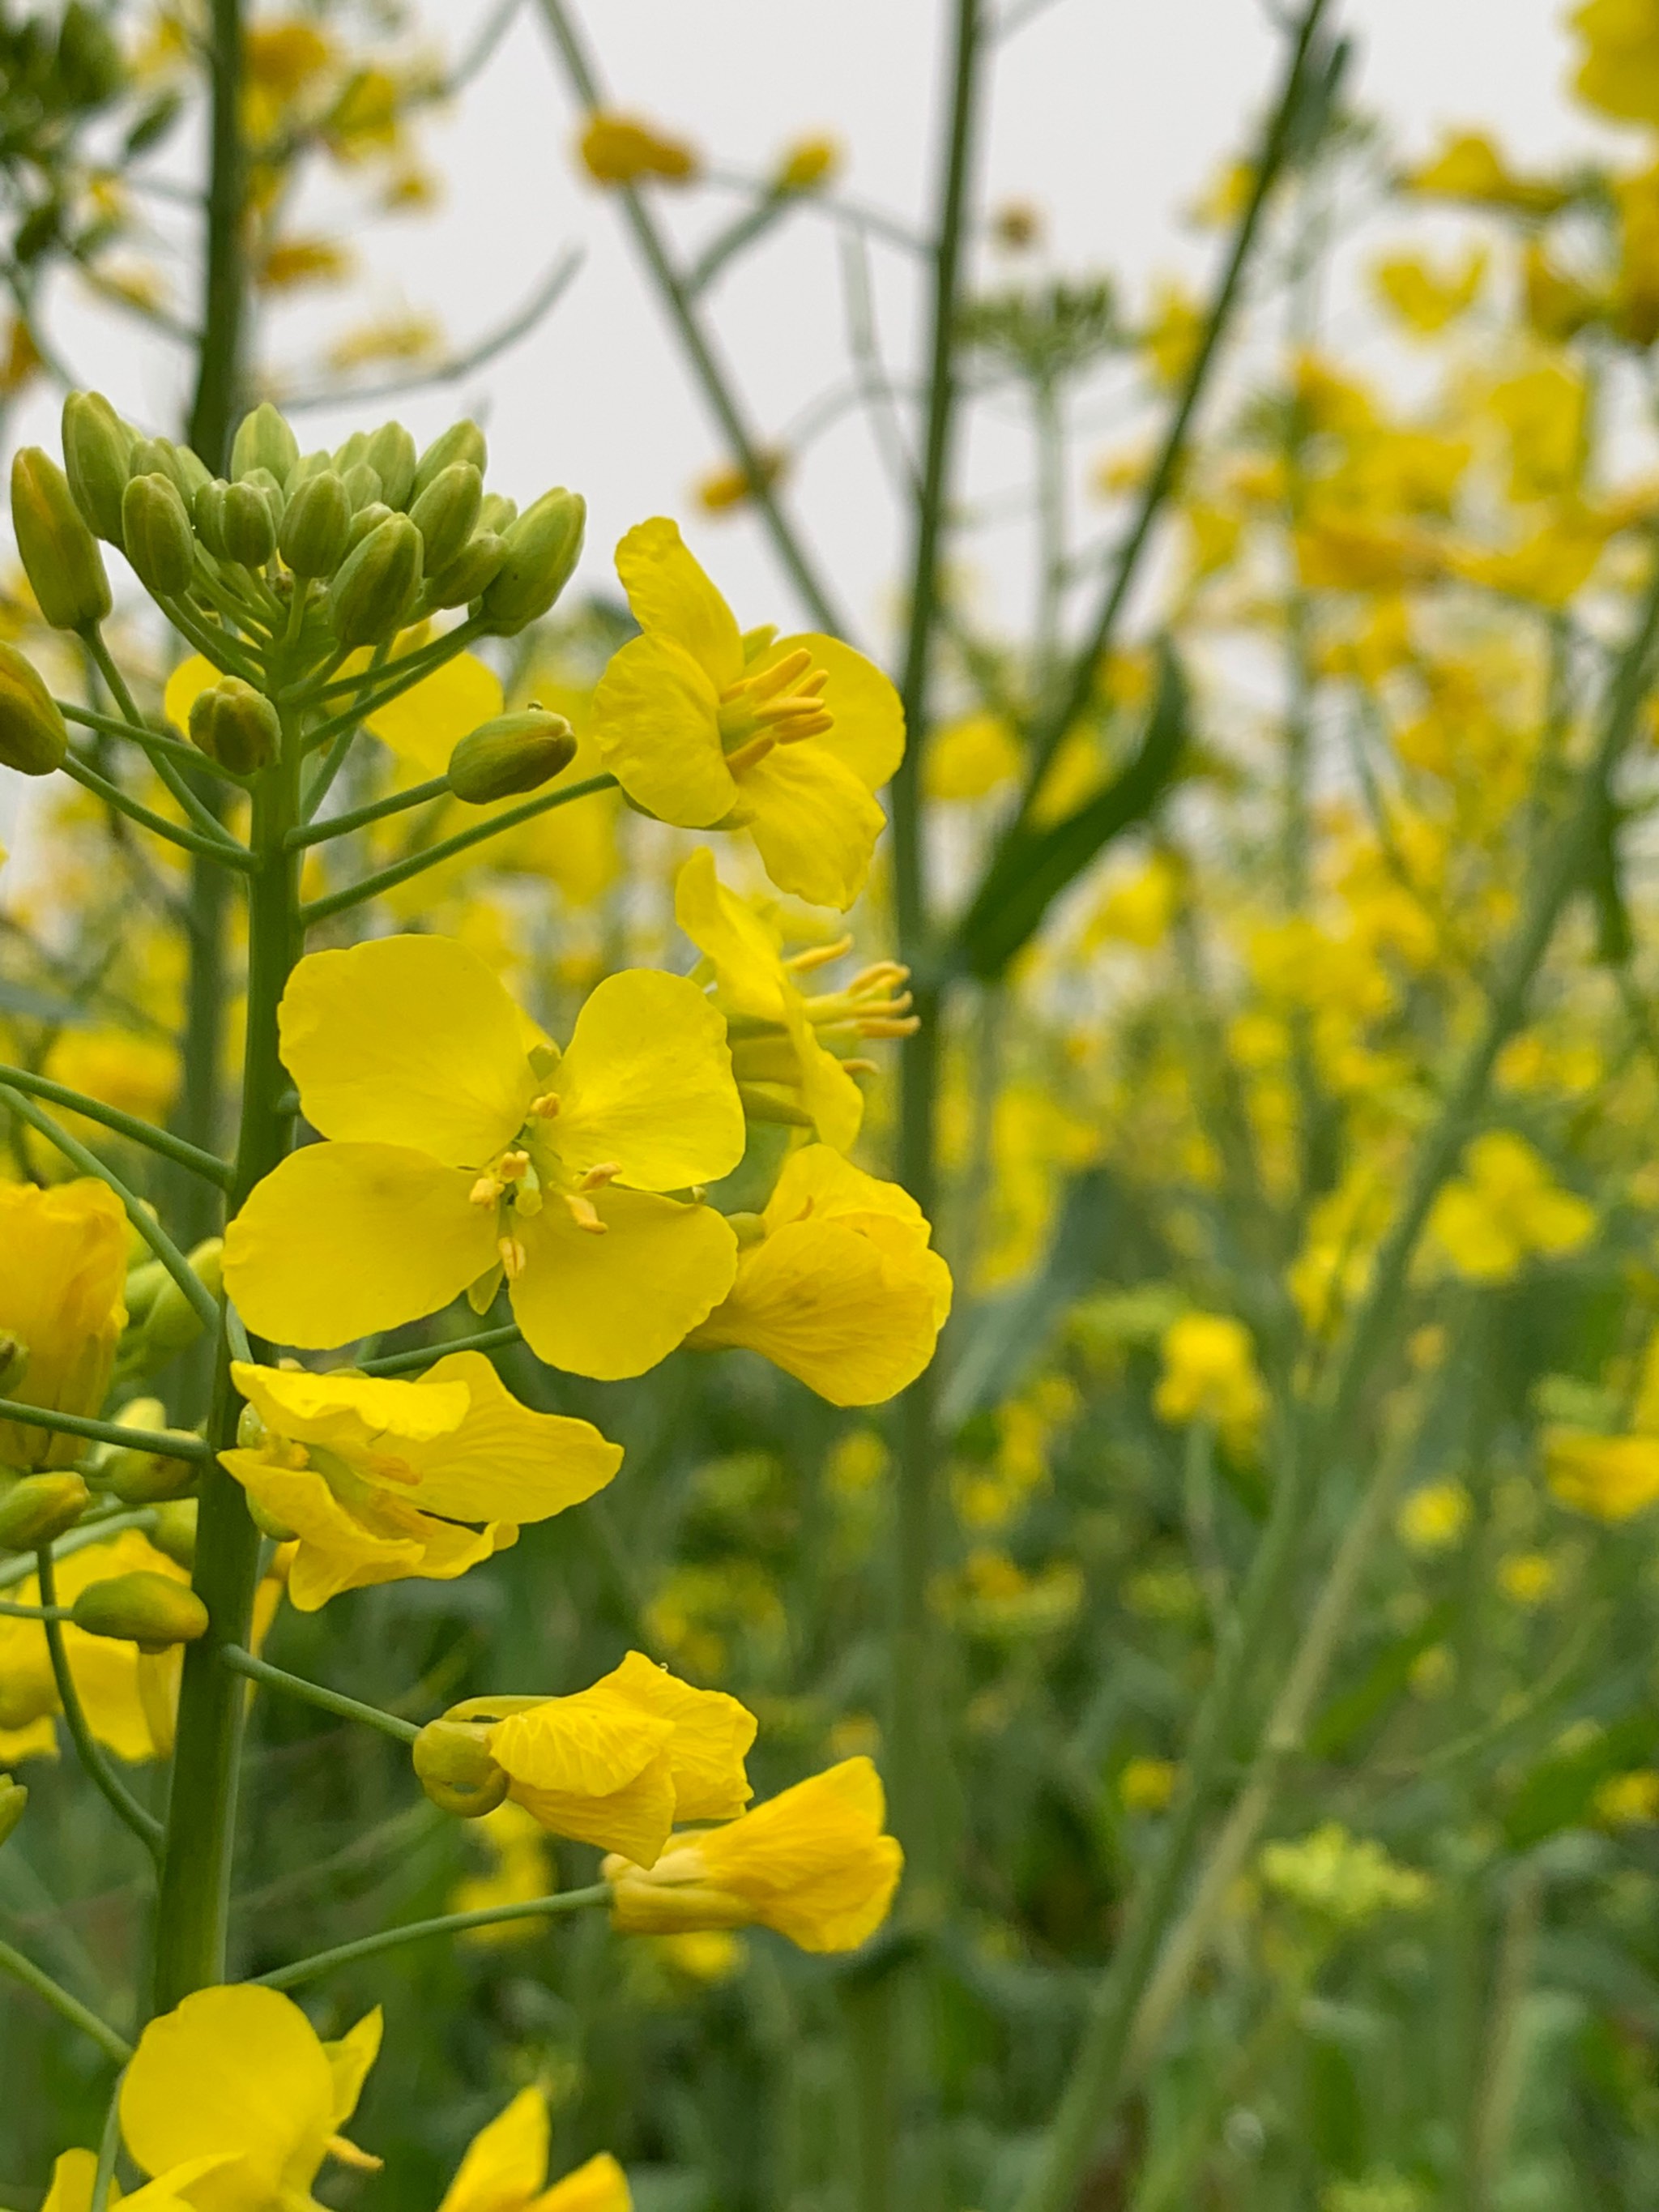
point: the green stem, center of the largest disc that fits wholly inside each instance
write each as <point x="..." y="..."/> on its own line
<point x="190" y="841"/>
<point x="218" y="374"/>
<point x="406" y="670"/>
<point x="126" y="1125"/>
<point x="448" y="1924"/>
<point x="400" y="1363"/>
<point x="377" y="810"/>
<point x="111" y="725"/>
<point x="207" y="824"/>
<point x="109" y="2149"/>
<point x="113" y="2046"/>
<point x="314" y="1693"/>
<point x="104" y="1432"/>
<point x="13" y="1612"/>
<point x="142" y="1823"/>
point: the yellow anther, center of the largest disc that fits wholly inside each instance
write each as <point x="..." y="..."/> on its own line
<point x="861" y="1067"/>
<point x="756" y="750"/>
<point x="810" y="724"/>
<point x="348" y="2155"/>
<point x="596" y="1177"/>
<point x="583" y="1214"/>
<point x="819" y="956"/>
<point x="485" y="1191"/>
<point x="513" y="1257"/>
<point x="385" y="1468"/>
<point x="546" y="1107"/>
<point x="885" y="1027"/>
<point x="880" y="976"/>
<point x="769" y="681"/>
<point x="512" y="1166"/>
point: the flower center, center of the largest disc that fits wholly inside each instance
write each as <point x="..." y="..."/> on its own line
<point x="520" y="1179"/>
<point x="779" y="705"/>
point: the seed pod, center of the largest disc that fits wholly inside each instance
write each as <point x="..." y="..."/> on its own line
<point x="542" y="548"/>
<point x="59" y="553"/>
<point x="454" y="1766"/>
<point x="97" y="460"/>
<point x="470" y="573"/>
<point x="318" y="523"/>
<point x="158" y="1309"/>
<point x="446" y="513"/>
<point x="363" y="486"/>
<point x="390" y="451"/>
<point x="498" y="513"/>
<point x="264" y="440"/>
<point x="160" y="545"/>
<point x="248" y="525"/>
<point x="13" y="1799"/>
<point x="461" y="442"/>
<point x="150" y="1610"/>
<point x="365" y="520"/>
<point x="513" y="753"/>
<point x="377" y="584"/>
<point x="33" y="737"/>
<point x="36" y="1509"/>
<point x="235" y="726"/>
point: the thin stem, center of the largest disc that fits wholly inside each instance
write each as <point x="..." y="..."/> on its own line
<point x="334" y="760"/>
<point x="207" y="824"/>
<point x="142" y="1823"/>
<point x="400" y="1363"/>
<point x="158" y="1441"/>
<point x="126" y="1125"/>
<point x="109" y="2149"/>
<point x="408" y="668"/>
<point x="13" y="1611"/>
<point x="190" y="841"/>
<point x="113" y="2046"/>
<point x="315" y="1693"/>
<point x="378" y="809"/>
<point x="448" y="1924"/>
<point x="112" y="726"/>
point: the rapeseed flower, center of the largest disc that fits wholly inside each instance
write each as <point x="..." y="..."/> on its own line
<point x="380" y="1479"/>
<point x="812" y="1863"/>
<point x="839" y="1288"/>
<point x="464" y="1147"/>
<point x="1343" y="1878"/>
<point x="1609" y="1478"/>
<point x="705" y="726"/>
<point x="505" y="2169"/>
<point x="619" y="149"/>
<point x="1505" y="1209"/>
<point x="60" y="1298"/>
<point x="1210" y="1375"/>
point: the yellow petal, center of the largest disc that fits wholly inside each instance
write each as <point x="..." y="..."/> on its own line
<point x="828" y="1092"/>
<point x="587" y="1744"/>
<point x="336" y="1551"/>
<point x="427" y="721"/>
<point x="506" y="2163"/>
<point x="712" y="1735"/>
<point x="814" y="824"/>
<point x="185" y="686"/>
<point x="868" y="736"/>
<point x="343" y="1240"/>
<point x="408" y="1041"/>
<point x="646" y="1080"/>
<point x="349" y="2060"/>
<point x="506" y="1463"/>
<point x="672" y="598"/>
<point x="813" y="1861"/>
<point x="613" y="1306"/>
<point x="72" y="2177"/>
<point x="350" y="1409"/>
<point x="634" y="1819"/>
<point x="747" y="963"/>
<point x="656" y="723"/>
<point x="818" y="1182"/>
<point x="599" y="2186"/>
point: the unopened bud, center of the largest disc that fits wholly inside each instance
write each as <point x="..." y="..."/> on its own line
<point x="363" y="486"/>
<point x="390" y="451"/>
<point x="59" y="553"/>
<point x="264" y="440"/>
<point x="498" y="513"/>
<point x="143" y="1478"/>
<point x="97" y="460"/>
<point x="155" y="530"/>
<point x="454" y="1768"/>
<point x="347" y="456"/>
<point x="470" y="575"/>
<point x="316" y="526"/>
<point x="160" y="456"/>
<point x="174" y="1531"/>
<point x="14" y="1361"/>
<point x="150" y="1610"/>
<point x="542" y="548"/>
<point x="365" y="520"/>
<point x="33" y="735"/>
<point x="513" y="753"/>
<point x="247" y="525"/>
<point x="13" y="1797"/>
<point x="446" y="513"/>
<point x="235" y="726"/>
<point x="376" y="583"/>
<point x="37" y="1508"/>
<point x="307" y="465"/>
<point x="207" y="512"/>
<point x="461" y="442"/>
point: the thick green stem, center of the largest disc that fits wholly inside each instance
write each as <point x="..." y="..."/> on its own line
<point x="218" y="372"/>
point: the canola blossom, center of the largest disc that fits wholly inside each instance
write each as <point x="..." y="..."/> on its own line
<point x="61" y="1308"/>
<point x="504" y="2169"/>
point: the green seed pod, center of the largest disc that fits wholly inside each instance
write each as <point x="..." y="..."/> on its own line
<point x="454" y="1768"/>
<point x="174" y="1531"/>
<point x="366" y="520"/>
<point x="239" y="727"/>
<point x="307" y="465"/>
<point x="470" y="573"/>
<point x="376" y="586"/>
<point x="363" y="486"/>
<point x="13" y="1799"/>
<point x="248" y="525"/>
<point x="390" y="451"/>
<point x="33" y="736"/>
<point x="14" y="1361"/>
<point x="461" y="442"/>
<point x="264" y="440"/>
<point x="542" y="548"/>
<point x="150" y="1610"/>
<point x="208" y="513"/>
<point x="498" y="513"/>
<point x="315" y="529"/>
<point x="36" y="1509"/>
<point x="97" y="460"/>
<point x="513" y="753"/>
<point x="59" y="553"/>
<point x="160" y="545"/>
<point x="446" y="513"/>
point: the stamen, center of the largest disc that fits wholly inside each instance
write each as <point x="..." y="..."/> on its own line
<point x="819" y="956"/>
<point x="756" y="750"/>
<point x="883" y="1027"/>
<point x="862" y="1067"/>
<point x="880" y="976"/>
<point x="583" y="1213"/>
<point x="349" y="2155"/>
<point x="596" y="1177"/>
<point x="515" y="1259"/>
<point x="485" y="1191"/>
<point x="513" y="1165"/>
<point x="809" y="726"/>
<point x="546" y="1108"/>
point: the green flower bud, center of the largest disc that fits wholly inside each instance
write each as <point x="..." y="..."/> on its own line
<point x="150" y="1610"/>
<point x="142" y="1478"/>
<point x="38" y="1508"/>
<point x="271" y="486"/>
<point x="461" y="442"/>
<point x="59" y="553"/>
<point x="14" y="1361"/>
<point x="390" y="451"/>
<point x="160" y="545"/>
<point x="513" y="752"/>
<point x="33" y="737"/>
<point x="90" y="64"/>
<point x="377" y="584"/>
<point x="160" y="456"/>
<point x="363" y="486"/>
<point x="315" y="529"/>
<point x="454" y="1766"/>
<point x="470" y="575"/>
<point x="347" y="457"/>
<point x="498" y="513"/>
<point x="264" y="440"/>
<point x="207" y="512"/>
<point x="237" y="726"/>
<point x="97" y="459"/>
<point x="174" y="1531"/>
<point x="13" y="1799"/>
<point x="446" y="513"/>
<point x="543" y="547"/>
<point x="248" y="526"/>
<point x="307" y="465"/>
<point x="366" y="520"/>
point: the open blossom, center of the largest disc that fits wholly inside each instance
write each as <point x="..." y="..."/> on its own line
<point x="465" y="1147"/>
<point x="839" y="1288"/>
<point x="379" y="1479"/>
<point x="812" y="1863"/>
<point x="505" y="2169"/>
<point x="60" y="1302"/>
<point x="1505" y="1209"/>
<point x="705" y="726"/>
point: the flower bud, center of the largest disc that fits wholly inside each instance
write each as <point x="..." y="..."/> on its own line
<point x="513" y="753"/>
<point x="59" y="553"/>
<point x="470" y="573"/>
<point x="97" y="459"/>
<point x="390" y="451"/>
<point x="446" y="513"/>
<point x="454" y="1768"/>
<point x="315" y="528"/>
<point x="461" y="442"/>
<point x="13" y="1799"/>
<point x="347" y="457"/>
<point x="150" y="1610"/>
<point x="174" y="1531"/>
<point x="264" y="440"/>
<point x="363" y="486"/>
<point x="14" y="1361"/>
<point x="207" y="512"/>
<point x="160" y="545"/>
<point x="143" y="1478"/>
<point x="366" y="518"/>
<point x="307" y="465"/>
<point x="37" y="1508"/>
<point x="543" y="547"/>
<point x="248" y="526"/>
<point x="235" y="726"/>
<point x="33" y="736"/>
<point x="498" y="513"/>
<point x="160" y="1314"/>
<point x="160" y="456"/>
<point x="374" y="588"/>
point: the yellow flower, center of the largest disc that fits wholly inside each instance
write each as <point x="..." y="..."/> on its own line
<point x="1345" y="1878"/>
<point x="1628" y="1801"/>
<point x="775" y="1029"/>
<point x="60" y="1296"/>
<point x="1146" y="1785"/>
<point x="1426" y="298"/>
<point x="1469" y="167"/>
<point x="617" y="150"/>
<point x="505" y="2169"/>
<point x="787" y="738"/>
<point x="1611" y="1478"/>
<point x="466" y="1146"/>
<point x="74" y="2175"/>
<point x="1620" y="72"/>
<point x="1505" y="1210"/>
<point x="811" y="1863"/>
<point x="137" y="1074"/>
<point x="1435" y="1518"/>
<point x="1210" y="1375"/>
<point x="239" y="2075"/>
<point x="423" y="725"/>
<point x="971" y="758"/>
<point x="727" y="487"/>
<point x="379" y="1479"/>
<point x="840" y="1289"/>
<point x="1526" y="1578"/>
<point x="807" y="164"/>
